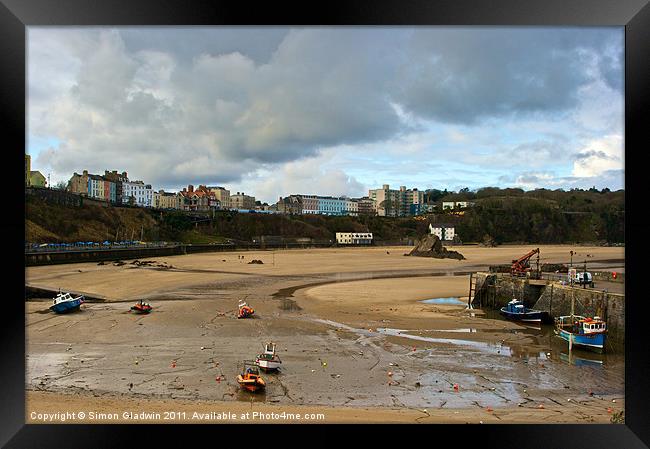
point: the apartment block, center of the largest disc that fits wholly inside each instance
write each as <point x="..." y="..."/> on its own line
<point x="366" y="206"/>
<point x="396" y="203"/>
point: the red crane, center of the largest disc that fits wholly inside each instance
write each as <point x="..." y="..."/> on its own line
<point x="521" y="266"/>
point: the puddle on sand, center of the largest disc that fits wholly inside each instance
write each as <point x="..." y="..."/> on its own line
<point x="548" y="346"/>
<point x="493" y="348"/>
<point x="289" y="305"/>
<point x="452" y="301"/>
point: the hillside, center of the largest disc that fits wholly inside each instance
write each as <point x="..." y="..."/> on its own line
<point x="49" y="223"/>
<point x="582" y="217"/>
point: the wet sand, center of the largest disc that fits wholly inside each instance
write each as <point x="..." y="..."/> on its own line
<point x="364" y="349"/>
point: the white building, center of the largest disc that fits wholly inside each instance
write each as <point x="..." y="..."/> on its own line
<point x="455" y="204"/>
<point x="141" y="193"/>
<point x="443" y="231"/>
<point x="354" y="238"/>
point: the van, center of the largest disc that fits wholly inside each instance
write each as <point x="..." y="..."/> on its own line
<point x="581" y="278"/>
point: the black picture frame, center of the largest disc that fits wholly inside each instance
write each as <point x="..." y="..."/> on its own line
<point x="634" y="15"/>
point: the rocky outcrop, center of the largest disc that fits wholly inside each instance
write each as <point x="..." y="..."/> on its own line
<point x="431" y="246"/>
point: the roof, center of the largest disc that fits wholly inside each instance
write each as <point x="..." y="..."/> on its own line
<point x="442" y="225"/>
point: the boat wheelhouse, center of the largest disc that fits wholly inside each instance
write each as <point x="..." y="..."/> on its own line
<point x="269" y="359"/>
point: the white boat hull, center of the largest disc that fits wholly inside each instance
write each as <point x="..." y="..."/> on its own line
<point x="268" y="364"/>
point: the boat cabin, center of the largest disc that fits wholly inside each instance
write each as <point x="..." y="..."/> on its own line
<point x="515" y="306"/>
<point x="252" y="372"/>
<point x="592" y="326"/>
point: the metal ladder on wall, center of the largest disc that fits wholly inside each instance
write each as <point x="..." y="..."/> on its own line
<point x="472" y="289"/>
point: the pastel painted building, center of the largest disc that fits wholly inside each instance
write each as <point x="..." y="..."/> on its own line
<point x="328" y="205"/>
<point x="36" y="179"/>
<point x="96" y="187"/>
<point x="222" y="195"/>
<point x="166" y="200"/>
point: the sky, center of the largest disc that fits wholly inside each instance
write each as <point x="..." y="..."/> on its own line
<point x="273" y="111"/>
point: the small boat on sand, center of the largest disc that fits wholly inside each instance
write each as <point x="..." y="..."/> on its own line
<point x="142" y="307"/>
<point x="268" y="360"/>
<point x="65" y="302"/>
<point x="250" y="378"/>
<point x="244" y="310"/>
<point x="516" y="310"/>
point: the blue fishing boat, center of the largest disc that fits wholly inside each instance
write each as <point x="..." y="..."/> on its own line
<point x="64" y="302"/>
<point x="515" y="310"/>
<point x="587" y="333"/>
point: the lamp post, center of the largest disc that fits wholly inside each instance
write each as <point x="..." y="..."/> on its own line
<point x="571" y="266"/>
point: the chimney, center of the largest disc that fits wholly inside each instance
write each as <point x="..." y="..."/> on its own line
<point x="190" y="188"/>
<point x="386" y="187"/>
<point x="85" y="172"/>
<point x="184" y="189"/>
<point x="124" y="174"/>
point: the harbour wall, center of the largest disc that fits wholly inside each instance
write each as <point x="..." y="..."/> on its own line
<point x="495" y="290"/>
<point x="99" y="254"/>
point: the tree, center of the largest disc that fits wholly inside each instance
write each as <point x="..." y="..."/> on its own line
<point x="61" y="185"/>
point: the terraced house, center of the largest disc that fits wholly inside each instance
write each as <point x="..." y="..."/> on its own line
<point x="137" y="193"/>
<point x="201" y="199"/>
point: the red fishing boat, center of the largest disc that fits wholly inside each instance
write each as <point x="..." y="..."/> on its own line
<point x="244" y="310"/>
<point x="250" y="378"/>
<point x="141" y="307"/>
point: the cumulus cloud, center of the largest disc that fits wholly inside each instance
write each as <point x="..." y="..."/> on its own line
<point x="599" y="156"/>
<point x="307" y="176"/>
<point x="226" y="105"/>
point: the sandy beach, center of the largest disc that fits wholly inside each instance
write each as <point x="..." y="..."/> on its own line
<point x="357" y="343"/>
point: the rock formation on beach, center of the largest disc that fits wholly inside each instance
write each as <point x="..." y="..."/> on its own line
<point x="431" y="246"/>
